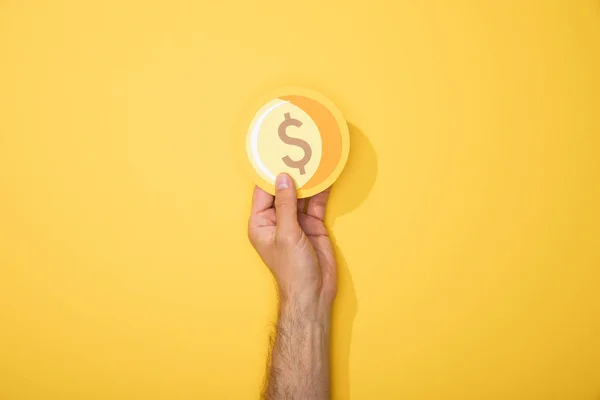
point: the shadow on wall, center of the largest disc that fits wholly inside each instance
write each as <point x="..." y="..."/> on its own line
<point x="348" y="193"/>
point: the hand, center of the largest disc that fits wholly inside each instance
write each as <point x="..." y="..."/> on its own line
<point x="295" y="245"/>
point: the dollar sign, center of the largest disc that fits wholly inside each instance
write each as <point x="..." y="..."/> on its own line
<point x="301" y="164"/>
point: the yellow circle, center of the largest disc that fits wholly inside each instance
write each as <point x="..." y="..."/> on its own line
<point x="299" y="132"/>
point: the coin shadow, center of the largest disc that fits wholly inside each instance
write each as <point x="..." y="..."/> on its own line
<point x="349" y="192"/>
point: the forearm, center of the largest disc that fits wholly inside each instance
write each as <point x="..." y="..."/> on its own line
<point x="299" y="367"/>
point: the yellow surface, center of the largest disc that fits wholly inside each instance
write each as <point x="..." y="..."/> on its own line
<point x="466" y="223"/>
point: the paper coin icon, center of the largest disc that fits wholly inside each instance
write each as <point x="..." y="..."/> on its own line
<point x="301" y="133"/>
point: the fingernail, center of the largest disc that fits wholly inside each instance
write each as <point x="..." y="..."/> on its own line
<point x="283" y="181"/>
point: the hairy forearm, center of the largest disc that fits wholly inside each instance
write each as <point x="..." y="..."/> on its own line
<point x="299" y="362"/>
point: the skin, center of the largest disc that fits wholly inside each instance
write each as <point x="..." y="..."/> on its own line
<point x="291" y="238"/>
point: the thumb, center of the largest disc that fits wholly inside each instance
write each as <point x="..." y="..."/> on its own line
<point x="286" y="206"/>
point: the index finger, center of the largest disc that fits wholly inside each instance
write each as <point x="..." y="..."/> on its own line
<point x="261" y="200"/>
<point x="318" y="204"/>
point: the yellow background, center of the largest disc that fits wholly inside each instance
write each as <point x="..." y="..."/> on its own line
<point x="466" y="223"/>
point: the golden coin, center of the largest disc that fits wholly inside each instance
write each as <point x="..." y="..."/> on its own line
<point x="301" y="133"/>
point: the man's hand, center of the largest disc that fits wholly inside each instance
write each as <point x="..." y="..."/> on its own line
<point x="294" y="244"/>
<point x="291" y="238"/>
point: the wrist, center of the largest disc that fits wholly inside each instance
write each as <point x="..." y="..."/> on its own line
<point x="305" y="312"/>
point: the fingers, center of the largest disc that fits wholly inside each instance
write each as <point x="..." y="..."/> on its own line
<point x="261" y="200"/>
<point x="286" y="205"/>
<point x="318" y="204"/>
